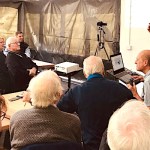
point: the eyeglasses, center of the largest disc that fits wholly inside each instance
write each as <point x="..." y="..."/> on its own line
<point x="15" y="43"/>
<point x="3" y="114"/>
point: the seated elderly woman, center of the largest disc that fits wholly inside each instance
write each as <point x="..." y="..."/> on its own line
<point x="44" y="123"/>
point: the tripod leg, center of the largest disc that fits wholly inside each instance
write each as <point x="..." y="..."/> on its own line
<point x="95" y="52"/>
<point x="106" y="53"/>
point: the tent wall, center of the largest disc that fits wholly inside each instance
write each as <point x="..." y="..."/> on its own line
<point x="134" y="37"/>
<point x="8" y="18"/>
<point x="65" y="27"/>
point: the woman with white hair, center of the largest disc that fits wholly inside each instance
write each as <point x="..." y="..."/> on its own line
<point x="44" y="122"/>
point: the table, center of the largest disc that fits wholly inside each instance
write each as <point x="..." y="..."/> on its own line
<point x="43" y="65"/>
<point x="69" y="75"/>
<point x="13" y="107"/>
<point x="139" y="87"/>
<point x="111" y="75"/>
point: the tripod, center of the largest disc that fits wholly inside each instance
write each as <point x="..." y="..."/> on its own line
<point x="100" y="39"/>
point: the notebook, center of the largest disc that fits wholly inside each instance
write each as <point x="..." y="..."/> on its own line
<point x="119" y="70"/>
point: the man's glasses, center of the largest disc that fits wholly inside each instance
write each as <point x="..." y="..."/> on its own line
<point x="3" y="114"/>
<point x="15" y="43"/>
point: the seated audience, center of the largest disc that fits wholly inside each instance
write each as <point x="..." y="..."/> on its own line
<point x="44" y="122"/>
<point x="129" y="127"/>
<point x="24" y="47"/>
<point x="5" y="80"/>
<point x="21" y="67"/>
<point x="3" y="109"/>
<point x="4" y="134"/>
<point x="94" y="101"/>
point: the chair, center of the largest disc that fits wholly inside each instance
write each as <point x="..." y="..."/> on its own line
<point x="61" y="145"/>
<point x="104" y="144"/>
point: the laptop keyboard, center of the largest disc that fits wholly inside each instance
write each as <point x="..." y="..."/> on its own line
<point x="124" y="73"/>
<point x="126" y="78"/>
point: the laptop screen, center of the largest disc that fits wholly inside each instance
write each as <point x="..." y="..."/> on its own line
<point x="117" y="63"/>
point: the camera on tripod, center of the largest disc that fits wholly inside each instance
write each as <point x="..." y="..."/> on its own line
<point x="101" y="24"/>
<point x="101" y="38"/>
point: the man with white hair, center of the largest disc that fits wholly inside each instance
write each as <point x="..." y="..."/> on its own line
<point x="21" y="67"/>
<point x="94" y="101"/>
<point x="44" y="123"/>
<point x="24" y="47"/>
<point x="129" y="127"/>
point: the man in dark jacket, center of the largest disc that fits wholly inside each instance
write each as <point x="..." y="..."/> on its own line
<point x="21" y="67"/>
<point x="94" y="101"/>
<point x="5" y="80"/>
<point x="24" y="47"/>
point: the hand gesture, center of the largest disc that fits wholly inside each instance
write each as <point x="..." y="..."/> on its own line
<point x="137" y="77"/>
<point x="26" y="96"/>
<point x="32" y="72"/>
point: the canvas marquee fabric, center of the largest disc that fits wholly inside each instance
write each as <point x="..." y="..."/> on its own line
<point x="62" y="26"/>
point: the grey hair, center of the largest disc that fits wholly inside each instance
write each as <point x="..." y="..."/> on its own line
<point x="93" y="64"/>
<point x="129" y="127"/>
<point x="45" y="89"/>
<point x="9" y="41"/>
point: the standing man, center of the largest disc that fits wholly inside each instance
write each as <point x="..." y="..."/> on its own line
<point x="94" y="101"/>
<point x="143" y="64"/>
<point x="21" y="67"/>
<point x="5" y="80"/>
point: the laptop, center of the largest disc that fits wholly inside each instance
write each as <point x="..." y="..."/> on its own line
<point x="119" y="70"/>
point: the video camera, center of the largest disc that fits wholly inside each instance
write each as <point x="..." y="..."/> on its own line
<point x="101" y="24"/>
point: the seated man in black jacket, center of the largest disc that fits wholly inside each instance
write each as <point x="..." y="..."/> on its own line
<point x="94" y="101"/>
<point x="5" y="80"/>
<point x="21" y="67"/>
